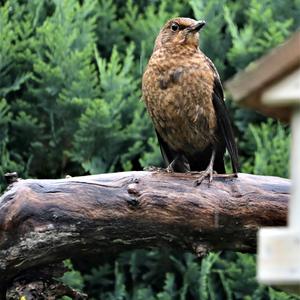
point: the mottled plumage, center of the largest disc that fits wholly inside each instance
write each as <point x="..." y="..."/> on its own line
<point x="184" y="97"/>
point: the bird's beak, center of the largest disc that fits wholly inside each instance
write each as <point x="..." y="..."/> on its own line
<point x="197" y="27"/>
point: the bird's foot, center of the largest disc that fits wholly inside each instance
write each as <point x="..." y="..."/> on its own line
<point x="153" y="169"/>
<point x="209" y="172"/>
<point x="169" y="169"/>
<point x="212" y="174"/>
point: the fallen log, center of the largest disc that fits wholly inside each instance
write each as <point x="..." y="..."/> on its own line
<point x="45" y="221"/>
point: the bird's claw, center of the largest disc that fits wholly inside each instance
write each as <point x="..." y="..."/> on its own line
<point x="152" y="169"/>
<point x="204" y="174"/>
<point x="169" y="169"/>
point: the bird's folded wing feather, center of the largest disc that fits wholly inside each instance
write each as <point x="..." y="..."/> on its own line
<point x="169" y="155"/>
<point x="223" y="119"/>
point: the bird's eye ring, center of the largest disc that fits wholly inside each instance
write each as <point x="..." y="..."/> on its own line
<point x="174" y="27"/>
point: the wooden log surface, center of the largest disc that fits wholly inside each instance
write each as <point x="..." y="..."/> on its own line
<point x="46" y="221"/>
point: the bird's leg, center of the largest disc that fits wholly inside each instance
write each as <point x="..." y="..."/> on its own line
<point x="182" y="167"/>
<point x="170" y="168"/>
<point x="209" y="170"/>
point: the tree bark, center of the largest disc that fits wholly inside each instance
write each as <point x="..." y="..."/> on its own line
<point x="46" y="221"/>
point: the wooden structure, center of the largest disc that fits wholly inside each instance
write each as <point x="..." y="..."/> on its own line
<point x="271" y="86"/>
<point x="250" y="87"/>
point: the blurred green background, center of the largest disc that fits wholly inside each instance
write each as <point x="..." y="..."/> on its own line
<point x="70" y="90"/>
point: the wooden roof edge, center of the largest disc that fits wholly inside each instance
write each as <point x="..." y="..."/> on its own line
<point x="268" y="68"/>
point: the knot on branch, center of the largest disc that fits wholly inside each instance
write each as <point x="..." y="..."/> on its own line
<point x="133" y="192"/>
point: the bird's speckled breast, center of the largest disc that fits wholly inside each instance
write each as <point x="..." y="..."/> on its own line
<point x="179" y="101"/>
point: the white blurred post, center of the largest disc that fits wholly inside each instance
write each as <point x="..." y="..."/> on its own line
<point x="294" y="207"/>
<point x="279" y="248"/>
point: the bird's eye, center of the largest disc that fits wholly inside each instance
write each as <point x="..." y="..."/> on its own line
<point x="174" y="27"/>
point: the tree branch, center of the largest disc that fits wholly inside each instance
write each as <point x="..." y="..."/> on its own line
<point x="46" y="221"/>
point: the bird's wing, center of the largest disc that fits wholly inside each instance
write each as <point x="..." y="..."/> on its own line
<point x="224" y="123"/>
<point x="169" y="155"/>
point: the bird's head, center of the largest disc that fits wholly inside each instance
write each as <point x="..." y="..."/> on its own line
<point x="179" y="31"/>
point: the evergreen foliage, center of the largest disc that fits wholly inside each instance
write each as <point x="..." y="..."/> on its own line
<point x="70" y="85"/>
<point x="167" y="275"/>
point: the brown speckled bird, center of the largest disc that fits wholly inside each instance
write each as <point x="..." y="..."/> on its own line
<point x="184" y="97"/>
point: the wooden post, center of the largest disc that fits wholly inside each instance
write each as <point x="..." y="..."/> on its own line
<point x="279" y="248"/>
<point x="272" y="86"/>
